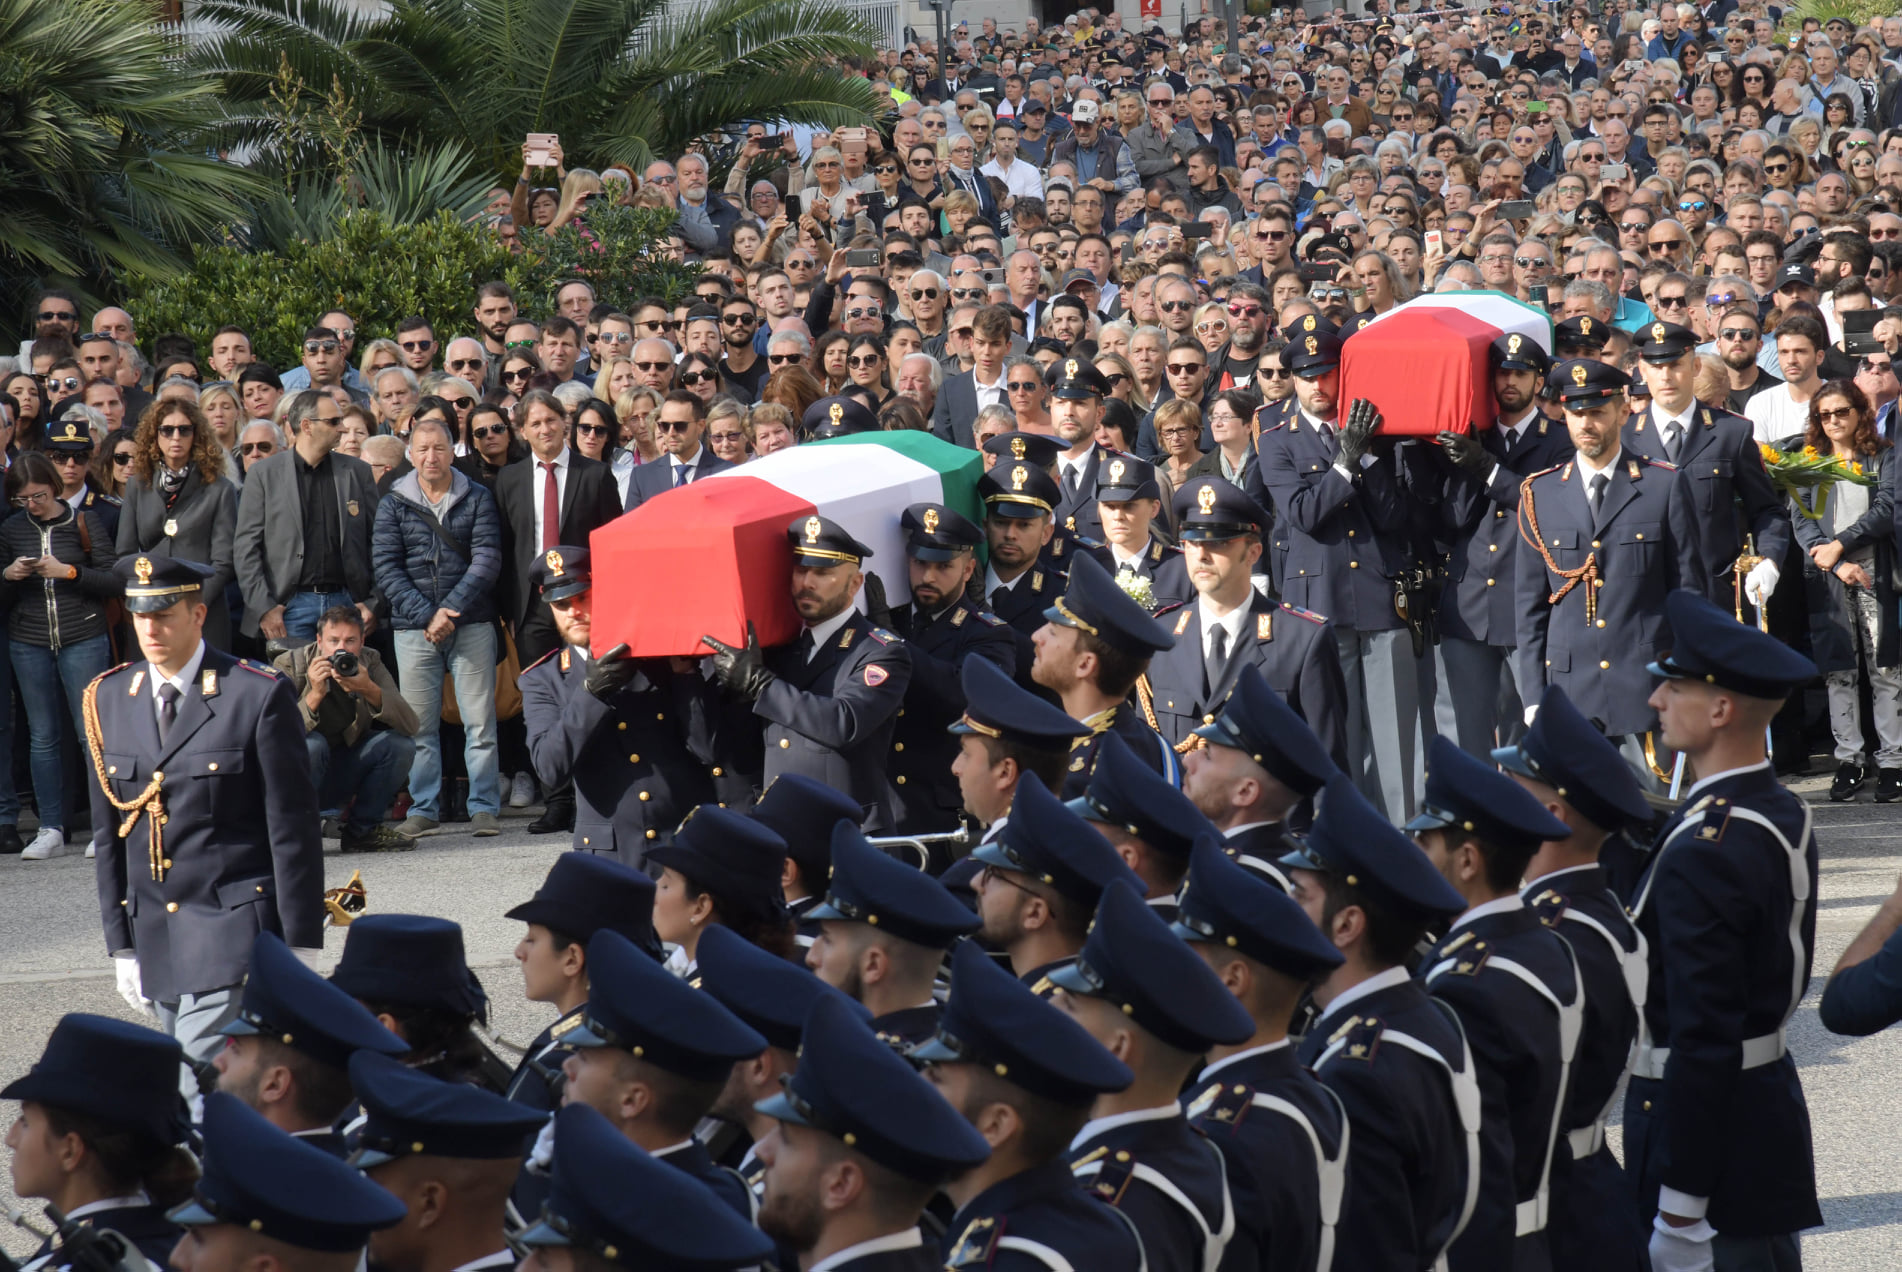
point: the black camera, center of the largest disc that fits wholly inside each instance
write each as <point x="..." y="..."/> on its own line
<point x="345" y="663"/>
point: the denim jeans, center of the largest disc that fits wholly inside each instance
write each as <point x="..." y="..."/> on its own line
<point x="51" y="683"/>
<point x="303" y="610"/>
<point x="469" y="656"/>
<point x="373" y="770"/>
<point x="9" y="798"/>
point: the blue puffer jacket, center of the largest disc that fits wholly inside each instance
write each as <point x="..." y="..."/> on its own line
<point x="418" y="573"/>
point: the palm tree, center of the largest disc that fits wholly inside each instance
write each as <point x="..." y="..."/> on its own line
<point x="619" y="80"/>
<point x="95" y="108"/>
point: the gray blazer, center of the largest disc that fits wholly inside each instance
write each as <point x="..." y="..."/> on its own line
<point x="268" y="547"/>
<point x="201" y="526"/>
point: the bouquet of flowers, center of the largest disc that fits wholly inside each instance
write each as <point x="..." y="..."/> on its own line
<point x="1137" y="588"/>
<point x="1794" y="472"/>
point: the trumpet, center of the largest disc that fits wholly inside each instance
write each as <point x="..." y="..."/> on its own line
<point x="962" y="837"/>
<point x="344" y="904"/>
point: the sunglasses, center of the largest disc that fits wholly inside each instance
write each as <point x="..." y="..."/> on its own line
<point x="55" y="315"/>
<point x="257" y="448"/>
<point x="1023" y="386"/>
<point x="864" y="361"/>
<point x="321" y="346"/>
<point x="492" y="430"/>
<point x="1211" y="324"/>
<point x="177" y="430"/>
<point x="593" y="428"/>
<point x="1692" y="205"/>
<point x="121" y="458"/>
<point x="1274" y="373"/>
<point x="521" y="374"/>
<point x="464" y="364"/>
<point x="673" y="426"/>
<point x="690" y="378"/>
<point x="1661" y="246"/>
<point x="615" y="338"/>
<point x="925" y="293"/>
<point x="969" y="293"/>
<point x="1531" y="262"/>
<point x="1114" y="378"/>
<point x="417" y="346"/>
<point x="69" y="383"/>
<point x="1174" y="306"/>
<point x="1870" y="365"/>
<point x="739" y="319"/>
<point x="1776" y="169"/>
<point x="1673" y="302"/>
<point x="1185" y="368"/>
<point x="62" y="459"/>
<point x="652" y="366"/>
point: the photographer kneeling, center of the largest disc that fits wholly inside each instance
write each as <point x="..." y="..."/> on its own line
<point x="360" y="729"/>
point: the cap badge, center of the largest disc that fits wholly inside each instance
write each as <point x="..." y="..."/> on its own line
<point x="1308" y="323"/>
<point x="1314" y="346"/>
<point x="1584" y="326"/>
<point x="1018" y="448"/>
<point x="1069" y="369"/>
<point x="1116" y="473"/>
<point x="837" y="412"/>
<point x="812" y="529"/>
<point x="1018" y="476"/>
<point x="1205" y="498"/>
<point x="1657" y="331"/>
<point x="1513" y="343"/>
<point x="1578" y="375"/>
<point x="143" y="569"/>
<point x="554" y="562"/>
<point x="931" y="521"/>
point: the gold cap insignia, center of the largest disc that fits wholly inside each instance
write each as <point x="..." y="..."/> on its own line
<point x="1116" y="473"/>
<point x="1018" y="476"/>
<point x="1314" y="346"/>
<point x="554" y="562"/>
<point x="1513" y="342"/>
<point x="1584" y="326"/>
<point x="1205" y="498"/>
<point x="931" y="521"/>
<point x="1579" y="376"/>
<point x="1069" y="368"/>
<point x="143" y="569"/>
<point x="837" y="412"/>
<point x="1018" y="448"/>
<point x="1657" y="331"/>
<point x="812" y="529"/>
<point x="1308" y="323"/>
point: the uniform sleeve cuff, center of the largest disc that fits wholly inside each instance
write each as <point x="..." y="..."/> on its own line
<point x="1683" y="1205"/>
<point x="1493" y="476"/>
<point x="1344" y="471"/>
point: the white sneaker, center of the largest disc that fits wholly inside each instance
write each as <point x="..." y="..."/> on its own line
<point x="50" y="842"/>
<point x="522" y="791"/>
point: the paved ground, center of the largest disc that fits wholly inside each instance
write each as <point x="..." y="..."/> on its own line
<point x="51" y="962"/>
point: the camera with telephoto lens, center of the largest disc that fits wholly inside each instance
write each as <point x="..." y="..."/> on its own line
<point x="345" y="664"/>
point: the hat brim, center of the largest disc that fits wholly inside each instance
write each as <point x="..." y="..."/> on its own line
<point x="159" y="604"/>
<point x="369" y="1158"/>
<point x="1070" y="978"/>
<point x="1513" y="760"/>
<point x="541" y="1233"/>
<point x="819" y="562"/>
<point x="565" y="588"/>
<point x="932" y="552"/>
<point x="933" y="1051"/>
<point x="1215" y="533"/>
<point x="583" y="1036"/>
<point x="826" y="910"/>
<point x="1018" y="509"/>
<point x="1301" y="857"/>
<point x="238" y="1027"/>
<point x="780" y="1109"/>
<point x="1317" y="370"/>
<point x="192" y="1214"/>
<point x="1430" y="819"/>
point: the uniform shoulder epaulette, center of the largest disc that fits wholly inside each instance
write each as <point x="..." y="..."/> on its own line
<point x="1277" y="427"/>
<point x="1550" y="905"/>
<point x="1716" y="822"/>
<point x="1036" y="580"/>
<point x="1170" y="608"/>
<point x="1224" y="1103"/>
<point x="1469" y="961"/>
<point x="1665" y="464"/>
<point x="1113" y="1179"/>
<point x="109" y="672"/>
<point x="885" y="636"/>
<point x="1359" y="1038"/>
<point x="985" y="616"/>
<point x="259" y="669"/>
<point x="1543" y="471"/>
<point x="976" y="1244"/>
<point x="539" y="661"/>
<point x="1085" y="541"/>
<point x="1298" y="612"/>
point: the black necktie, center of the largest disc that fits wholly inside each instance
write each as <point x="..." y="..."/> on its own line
<point x="806" y="645"/>
<point x="1069" y="480"/>
<point x="167" y="710"/>
<point x="1673" y="438"/>
<point x="1599" y="482"/>
<point x="1216" y="659"/>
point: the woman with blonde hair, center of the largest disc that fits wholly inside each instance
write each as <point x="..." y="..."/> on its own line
<point x="581" y="185"/>
<point x="176" y="504"/>
<point x="770" y="427"/>
<point x="224" y="409"/>
<point x="635" y="409"/>
<point x="1179" y="434"/>
<point x="377" y="355"/>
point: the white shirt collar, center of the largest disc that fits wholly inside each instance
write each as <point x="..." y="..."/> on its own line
<point x="500" y="1259"/>
<point x="1244" y="828"/>
<point x="826" y="630"/>
<point x="1585" y="465"/>
<point x="1498" y="905"/>
<point x="1372" y="985"/>
<point x="186" y="674"/>
<point x="1230" y="622"/>
<point x="1099" y="1125"/>
<point x="1553" y="874"/>
<point x="1682" y="419"/>
<point x="1524" y="422"/>
<point x="1262" y="1050"/>
<point x="672" y="1148"/>
<point x="126" y="1202"/>
<point x="909" y="1239"/>
<point x="560" y="461"/>
<point x="699" y="452"/>
<point x="1726" y="775"/>
<point x="1121" y="557"/>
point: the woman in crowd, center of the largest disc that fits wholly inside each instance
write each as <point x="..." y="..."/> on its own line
<point x="492" y="444"/>
<point x="354" y="427"/>
<point x="865" y="367"/>
<point x="698" y="374"/>
<point x="635" y="409"/>
<point x="176" y="504"/>
<point x="1211" y="326"/>
<point x="595" y="431"/>
<point x="1178" y="426"/>
<point x="828" y="361"/>
<point x="696" y="890"/>
<point x="726" y="430"/>
<point x="29" y="408"/>
<point x="114" y="462"/>
<point x="794" y="388"/>
<point x="223" y="406"/>
<point x="519" y="367"/>
<point x="1852" y="604"/>
<point x="377" y="355"/>
<point x="55" y="591"/>
<point x="770" y="427"/>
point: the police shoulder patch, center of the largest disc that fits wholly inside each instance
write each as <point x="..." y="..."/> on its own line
<point x="957" y="619"/>
<point x="1112" y="1181"/>
<point x="1298" y="612"/>
<point x="1550" y="906"/>
<point x="976" y="1244"/>
<point x="885" y="637"/>
<point x="1230" y="1104"/>
<point x="259" y="669"/>
<point x="1468" y="961"/>
<point x="1360" y="1039"/>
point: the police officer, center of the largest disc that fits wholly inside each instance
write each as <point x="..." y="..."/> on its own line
<point x="1348" y="516"/>
<point x="1609" y="534"/>
<point x="1092" y="649"/>
<point x="802" y="812"/>
<point x="112" y="1087"/>
<point x="1006" y="736"/>
<point x="884" y="928"/>
<point x="289" y="1046"/>
<point x="1077" y="390"/>
<point x="1281" y="1133"/>
<point x="1156" y="1005"/>
<point x="942" y="630"/>
<point x="1395" y="1056"/>
<point x="412" y="974"/>
<point x="857" y="1112"/>
<point x="1042" y="879"/>
<point x="830" y="700"/>
<point x="203" y="810"/>
<point x="1041" y="450"/>
<point x="837" y="416"/>
<point x="1151" y="824"/>
<point x="999" y="1047"/>
<point x="1580" y="337"/>
<point x="1231" y="625"/>
<point x="1569" y="767"/>
<point x="1515" y="986"/>
<point x="1716" y="1128"/>
<point x="651" y="1055"/>
<point x="264" y="1197"/>
<point x="1019" y="502"/>
<point x="620" y="729"/>
<point x="1716" y="451"/>
<point x="1257" y="764"/>
<point x="446" y="1150"/>
<point x="70" y="439"/>
<point x="1478" y="700"/>
<point x="1128" y="503"/>
<point x="629" y="1210"/>
<point x="583" y="894"/>
<point x="772" y="997"/>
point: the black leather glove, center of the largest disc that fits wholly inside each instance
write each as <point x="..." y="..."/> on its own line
<point x="741" y="671"/>
<point x="609" y="674"/>
<point x="1358" y="433"/>
<point x="1463" y="451"/>
<point x="876" y="607"/>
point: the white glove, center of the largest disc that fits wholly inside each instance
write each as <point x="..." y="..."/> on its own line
<point x="1532" y="713"/>
<point x="1686" y="1249"/>
<point x="1761" y="581"/>
<point x="126" y="973"/>
<point x="543" y="1153"/>
<point x="309" y="958"/>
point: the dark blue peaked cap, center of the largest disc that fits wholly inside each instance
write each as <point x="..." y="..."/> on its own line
<point x="875" y="888"/>
<point x="288" y="1003"/>
<point x="1259" y="722"/>
<point x="121" y="1073"/>
<point x="769" y="994"/>
<point x="640" y="1007"/>
<point x="1573" y="756"/>
<point x="1468" y="795"/>
<point x="408" y="1112"/>
<point x="1354" y="841"/>
<point x="1128" y="794"/>
<point x="1226" y="904"/>
<point x="1048" y="842"/>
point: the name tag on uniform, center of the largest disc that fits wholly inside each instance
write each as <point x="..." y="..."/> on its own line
<point x="171" y="527"/>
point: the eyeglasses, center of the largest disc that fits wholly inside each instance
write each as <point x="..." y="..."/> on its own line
<point x="257" y="448"/>
<point x="783" y="359"/>
<point x="38" y="496"/>
<point x="1673" y="302"/>
<point x="464" y="364"/>
<point x="492" y="430"/>
<point x="521" y="373"/>
<point x="592" y="428"/>
<point x="863" y="361"/>
<point x="1531" y="262"/>
<point x="1844" y="413"/>
<point x="615" y="338"/>
<point x="1185" y="368"/>
<point x="177" y="430"/>
<point x="1211" y="324"/>
<point x="673" y="426"/>
<point x="321" y="346"/>
<point x="417" y="346"/>
<point x="56" y="315"/>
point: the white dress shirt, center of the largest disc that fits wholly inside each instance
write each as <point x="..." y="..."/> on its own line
<point x="1230" y="622"/>
<point x="990" y="394"/>
<point x="181" y="682"/>
<point x="909" y="1239"/>
<point x="825" y="631"/>
<point x="691" y="463"/>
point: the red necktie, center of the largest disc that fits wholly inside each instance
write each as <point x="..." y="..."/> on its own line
<point x="551" y="507"/>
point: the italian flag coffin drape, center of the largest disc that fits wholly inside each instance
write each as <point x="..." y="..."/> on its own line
<point x="706" y="558"/>
<point x="1424" y="363"/>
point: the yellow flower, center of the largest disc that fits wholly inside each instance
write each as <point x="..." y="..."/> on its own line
<point x="1809" y="452"/>
<point x="1770" y="453"/>
<point x="1856" y="468"/>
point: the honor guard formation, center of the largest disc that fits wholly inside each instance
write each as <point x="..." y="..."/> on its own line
<point x="1174" y="648"/>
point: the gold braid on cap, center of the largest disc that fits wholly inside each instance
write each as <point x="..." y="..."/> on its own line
<point x="149" y="802"/>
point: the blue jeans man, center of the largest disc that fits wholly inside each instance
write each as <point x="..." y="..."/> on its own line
<point x="468" y="656"/>
<point x="373" y="770"/>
